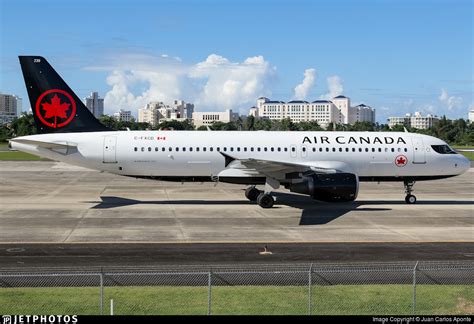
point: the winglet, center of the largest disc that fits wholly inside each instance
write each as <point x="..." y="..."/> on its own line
<point x="228" y="159"/>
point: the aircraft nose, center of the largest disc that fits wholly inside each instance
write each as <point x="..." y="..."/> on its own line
<point x="462" y="164"/>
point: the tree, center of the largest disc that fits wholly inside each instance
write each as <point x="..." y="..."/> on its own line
<point x="24" y="125"/>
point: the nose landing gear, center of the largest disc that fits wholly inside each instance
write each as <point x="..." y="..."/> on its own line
<point x="409" y="198"/>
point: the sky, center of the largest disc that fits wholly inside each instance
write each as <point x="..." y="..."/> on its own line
<point x="396" y="56"/>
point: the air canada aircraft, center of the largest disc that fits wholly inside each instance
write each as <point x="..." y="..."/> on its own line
<point x="326" y="165"/>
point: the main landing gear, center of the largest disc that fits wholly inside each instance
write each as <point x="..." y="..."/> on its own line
<point x="263" y="198"/>
<point x="409" y="198"/>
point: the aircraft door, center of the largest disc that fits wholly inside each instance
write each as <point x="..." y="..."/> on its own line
<point x="418" y="150"/>
<point x="293" y="151"/>
<point x="110" y="149"/>
<point x="304" y="151"/>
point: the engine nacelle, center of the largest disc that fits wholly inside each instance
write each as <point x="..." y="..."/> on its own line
<point x="331" y="187"/>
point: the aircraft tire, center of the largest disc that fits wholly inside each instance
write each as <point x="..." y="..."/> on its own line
<point x="265" y="200"/>
<point x="410" y="199"/>
<point x="252" y="193"/>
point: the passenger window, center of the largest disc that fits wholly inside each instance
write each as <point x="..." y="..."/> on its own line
<point x="149" y="149"/>
<point x="245" y="149"/>
<point x="353" y="149"/>
<point x="211" y="149"/>
<point x="347" y="149"/>
<point x="320" y="149"/>
<point x="265" y="149"/>
<point x="231" y="149"/>
<point x="184" y="149"/>
<point x="386" y="149"/>
<point x="373" y="149"/>
<point x="156" y="149"/>
<point x="393" y="150"/>
<point x="177" y="149"/>
<point x="406" y="150"/>
<point x="279" y="149"/>
<point x="204" y="149"/>
<point x="334" y="149"/>
<point x="380" y="150"/>
<point x="314" y="149"/>
<point x="251" y="149"/>
<point x="340" y="149"/>
<point x="303" y="149"/>
<point x="135" y="149"/>
<point x="143" y="149"/>
<point x="197" y="149"/>
<point x="272" y="149"/>
<point x="293" y="149"/>
<point x="360" y="149"/>
<point x="327" y="149"/>
<point x="258" y="149"/>
<point x="285" y="149"/>
<point x="367" y="149"/>
<point x="238" y="149"/>
<point x="170" y="148"/>
<point x="190" y="149"/>
<point x="225" y="149"/>
<point x="399" y="149"/>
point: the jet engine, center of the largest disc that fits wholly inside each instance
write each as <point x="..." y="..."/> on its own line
<point x="333" y="187"/>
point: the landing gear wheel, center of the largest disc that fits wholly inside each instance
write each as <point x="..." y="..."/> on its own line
<point x="410" y="199"/>
<point x="251" y="193"/>
<point x="265" y="200"/>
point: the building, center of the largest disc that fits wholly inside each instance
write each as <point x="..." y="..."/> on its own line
<point x="10" y="107"/>
<point x="471" y="115"/>
<point x="157" y="111"/>
<point x="123" y="115"/>
<point x="414" y="121"/>
<point x="337" y="110"/>
<point x="207" y="118"/>
<point x="394" y="121"/>
<point x="362" y="113"/>
<point x="95" y="104"/>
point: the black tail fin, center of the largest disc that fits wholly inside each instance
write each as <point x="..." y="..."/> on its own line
<point x="56" y="108"/>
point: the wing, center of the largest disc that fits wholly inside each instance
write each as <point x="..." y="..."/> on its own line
<point x="284" y="170"/>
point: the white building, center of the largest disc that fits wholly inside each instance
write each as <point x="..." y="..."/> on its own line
<point x="207" y="118"/>
<point x="123" y="115"/>
<point x="324" y="112"/>
<point x="10" y="107"/>
<point x="471" y="116"/>
<point x="414" y="121"/>
<point x="362" y="113"/>
<point x="157" y="111"/>
<point x="95" y="104"/>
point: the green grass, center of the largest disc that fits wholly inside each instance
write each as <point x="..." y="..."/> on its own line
<point x="469" y="155"/>
<point x="18" y="156"/>
<point x="337" y="299"/>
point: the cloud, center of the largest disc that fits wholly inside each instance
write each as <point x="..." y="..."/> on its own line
<point x="335" y="87"/>
<point x="302" y="89"/>
<point x="452" y="102"/>
<point x="214" y="84"/>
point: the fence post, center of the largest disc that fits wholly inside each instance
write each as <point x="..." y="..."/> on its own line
<point x="414" y="288"/>
<point x="310" y="289"/>
<point x="101" y="302"/>
<point x="209" y="293"/>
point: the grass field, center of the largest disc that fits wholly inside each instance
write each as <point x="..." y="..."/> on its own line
<point x="18" y="156"/>
<point x="290" y="300"/>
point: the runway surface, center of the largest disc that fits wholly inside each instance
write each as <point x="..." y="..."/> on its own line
<point x="91" y="255"/>
<point x="53" y="202"/>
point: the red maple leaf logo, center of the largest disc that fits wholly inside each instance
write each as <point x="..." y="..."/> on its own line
<point x="55" y="108"/>
<point x="401" y="161"/>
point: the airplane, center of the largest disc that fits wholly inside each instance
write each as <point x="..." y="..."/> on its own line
<point x="326" y="165"/>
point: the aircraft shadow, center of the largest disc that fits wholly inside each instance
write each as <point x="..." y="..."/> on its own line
<point x="313" y="212"/>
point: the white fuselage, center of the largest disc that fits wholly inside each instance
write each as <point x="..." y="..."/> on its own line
<point x="189" y="154"/>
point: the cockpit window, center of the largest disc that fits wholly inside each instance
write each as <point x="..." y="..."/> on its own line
<point x="443" y="149"/>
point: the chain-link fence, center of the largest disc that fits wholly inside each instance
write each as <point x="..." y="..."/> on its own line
<point x="426" y="288"/>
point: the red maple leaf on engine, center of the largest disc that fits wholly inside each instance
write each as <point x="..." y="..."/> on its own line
<point x="401" y="160"/>
<point x="55" y="108"/>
